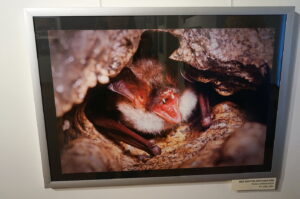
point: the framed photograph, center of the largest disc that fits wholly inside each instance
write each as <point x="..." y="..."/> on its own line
<point x="160" y="95"/>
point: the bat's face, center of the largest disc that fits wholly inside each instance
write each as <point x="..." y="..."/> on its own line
<point x="166" y="105"/>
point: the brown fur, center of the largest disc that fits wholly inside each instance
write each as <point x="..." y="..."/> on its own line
<point x="148" y="70"/>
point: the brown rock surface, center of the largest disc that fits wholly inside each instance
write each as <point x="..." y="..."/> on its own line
<point x="231" y="59"/>
<point x="80" y="59"/>
<point x="245" y="146"/>
<point x="181" y="148"/>
<point x="87" y="155"/>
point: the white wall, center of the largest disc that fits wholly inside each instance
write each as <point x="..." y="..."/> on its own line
<point x="20" y="163"/>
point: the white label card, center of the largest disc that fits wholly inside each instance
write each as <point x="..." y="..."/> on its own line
<point x="254" y="184"/>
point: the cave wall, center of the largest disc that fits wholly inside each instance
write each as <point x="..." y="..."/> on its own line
<point x="21" y="169"/>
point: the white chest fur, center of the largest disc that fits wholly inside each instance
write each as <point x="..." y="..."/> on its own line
<point x="141" y="119"/>
<point x="187" y="104"/>
<point x="147" y="122"/>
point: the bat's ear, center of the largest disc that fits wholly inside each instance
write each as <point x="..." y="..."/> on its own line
<point x="136" y="92"/>
<point x="124" y="84"/>
<point x="121" y="88"/>
<point x="186" y="75"/>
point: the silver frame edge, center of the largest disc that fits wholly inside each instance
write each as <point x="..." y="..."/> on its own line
<point x="37" y="96"/>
